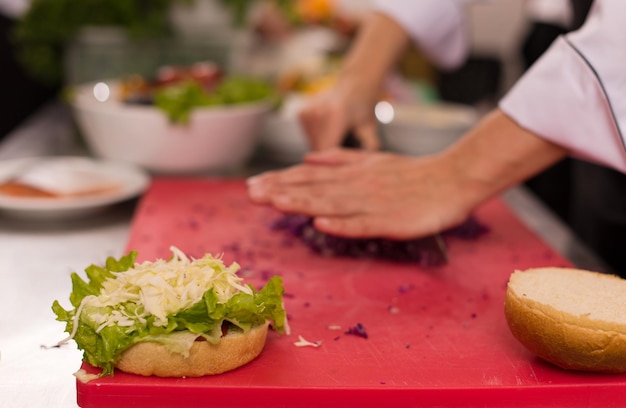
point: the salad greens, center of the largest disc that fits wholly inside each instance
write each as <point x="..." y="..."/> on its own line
<point x="111" y="309"/>
<point x="178" y="100"/>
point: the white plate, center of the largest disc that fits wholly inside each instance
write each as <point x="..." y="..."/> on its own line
<point x="130" y="180"/>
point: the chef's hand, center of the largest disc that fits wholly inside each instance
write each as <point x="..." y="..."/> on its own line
<point x="349" y="105"/>
<point x="328" y="117"/>
<point x="366" y="194"/>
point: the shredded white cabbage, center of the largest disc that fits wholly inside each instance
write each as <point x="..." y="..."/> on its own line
<point x="84" y="377"/>
<point x="302" y="342"/>
<point x="162" y="288"/>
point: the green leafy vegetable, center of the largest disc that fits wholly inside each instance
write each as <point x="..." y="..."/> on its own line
<point x="180" y="99"/>
<point x="111" y="308"/>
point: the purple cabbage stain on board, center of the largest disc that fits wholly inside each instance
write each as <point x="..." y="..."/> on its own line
<point x="469" y="230"/>
<point x="193" y="225"/>
<point x="357" y="330"/>
<point x="267" y="274"/>
<point x="418" y="250"/>
<point x="404" y="288"/>
<point x="233" y="247"/>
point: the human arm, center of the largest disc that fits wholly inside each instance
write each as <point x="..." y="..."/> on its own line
<point x="435" y="26"/>
<point x="569" y="103"/>
<point x="372" y="194"/>
<point x="349" y="105"/>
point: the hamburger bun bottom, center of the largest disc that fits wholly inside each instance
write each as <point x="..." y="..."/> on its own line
<point x="234" y="350"/>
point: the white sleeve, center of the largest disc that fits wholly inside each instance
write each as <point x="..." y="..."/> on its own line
<point x="575" y="94"/>
<point x="14" y="8"/>
<point x="437" y="27"/>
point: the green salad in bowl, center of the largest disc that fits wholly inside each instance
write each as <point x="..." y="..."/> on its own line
<point x="180" y="99"/>
<point x="192" y="120"/>
<point x="177" y="91"/>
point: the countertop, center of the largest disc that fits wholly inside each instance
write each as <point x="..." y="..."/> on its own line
<point x="36" y="259"/>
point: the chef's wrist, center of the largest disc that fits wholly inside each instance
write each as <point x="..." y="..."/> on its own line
<point x="357" y="90"/>
<point x="498" y="154"/>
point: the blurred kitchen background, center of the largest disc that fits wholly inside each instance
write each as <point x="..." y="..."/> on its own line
<point x="47" y="44"/>
<point x="53" y="50"/>
<point x="213" y="87"/>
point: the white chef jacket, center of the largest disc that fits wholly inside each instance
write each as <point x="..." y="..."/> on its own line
<point x="574" y="95"/>
<point x="14" y="8"/>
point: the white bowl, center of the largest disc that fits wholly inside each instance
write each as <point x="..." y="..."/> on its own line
<point x="418" y="129"/>
<point x="216" y="139"/>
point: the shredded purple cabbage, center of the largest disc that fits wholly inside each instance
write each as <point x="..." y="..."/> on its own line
<point x="358" y="330"/>
<point x="418" y="250"/>
<point x="469" y="230"/>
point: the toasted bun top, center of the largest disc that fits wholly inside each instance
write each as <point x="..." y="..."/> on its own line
<point x="233" y="350"/>
<point x="573" y="318"/>
<point x="595" y="296"/>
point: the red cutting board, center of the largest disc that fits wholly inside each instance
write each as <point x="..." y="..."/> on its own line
<point x="436" y="337"/>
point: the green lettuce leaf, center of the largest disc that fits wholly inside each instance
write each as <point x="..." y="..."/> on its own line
<point x="180" y="99"/>
<point x="103" y="346"/>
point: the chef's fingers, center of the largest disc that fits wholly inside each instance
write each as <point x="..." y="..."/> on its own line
<point x="299" y="174"/>
<point x="263" y="187"/>
<point x="335" y="157"/>
<point x="323" y="126"/>
<point x="312" y="201"/>
<point x="367" y="133"/>
<point x="375" y="226"/>
<point x="312" y="190"/>
<point x="349" y="210"/>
